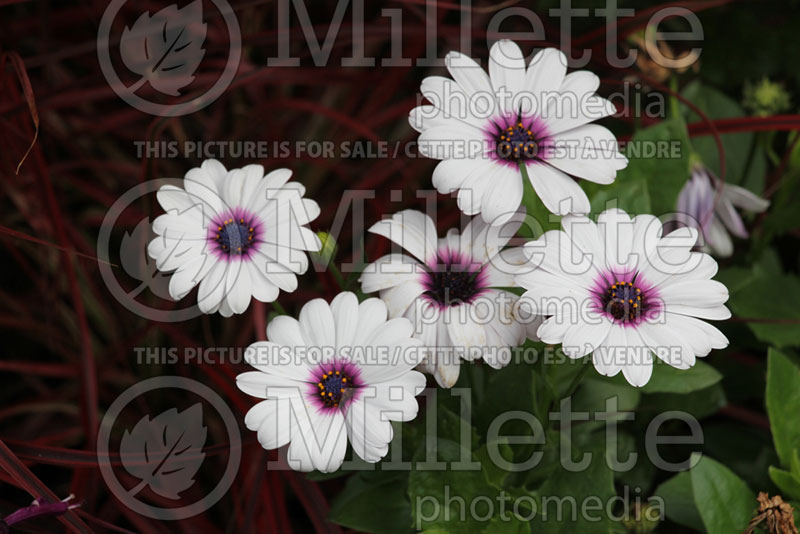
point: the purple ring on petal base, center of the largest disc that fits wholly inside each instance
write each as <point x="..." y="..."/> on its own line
<point x="333" y="386"/>
<point x="235" y="234"/>
<point x="625" y="297"/>
<point x="513" y="139"/>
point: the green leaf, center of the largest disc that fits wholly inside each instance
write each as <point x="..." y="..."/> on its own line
<point x="717" y="105"/>
<point x="783" y="404"/>
<point x="569" y="491"/>
<point x="374" y="501"/>
<point x="788" y="483"/>
<point x="509" y="389"/>
<point x="679" y="503"/>
<point x="595" y="391"/>
<point x="724" y="501"/>
<point x="783" y="215"/>
<point x="442" y="501"/>
<point x="747" y="451"/>
<point x="770" y="297"/>
<point x="668" y="379"/>
<point x="700" y="403"/>
<point x="649" y="184"/>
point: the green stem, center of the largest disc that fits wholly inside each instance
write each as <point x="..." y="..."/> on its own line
<point x="337" y="274"/>
<point x="674" y="105"/>
<point x="278" y="308"/>
<point x="579" y="377"/>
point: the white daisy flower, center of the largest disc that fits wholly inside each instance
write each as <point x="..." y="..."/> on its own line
<point x="711" y="208"/>
<point x="487" y="128"/>
<point x="341" y="372"/>
<point x="620" y="290"/>
<point x="236" y="233"/>
<point x="450" y="288"/>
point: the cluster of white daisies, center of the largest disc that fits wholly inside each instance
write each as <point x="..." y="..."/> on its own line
<point x="616" y="289"/>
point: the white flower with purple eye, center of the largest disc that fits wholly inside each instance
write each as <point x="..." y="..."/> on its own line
<point x="341" y="372"/>
<point x="710" y="206"/>
<point x="451" y="289"/>
<point x="238" y="234"/>
<point x="487" y="128"/>
<point x="620" y="290"/>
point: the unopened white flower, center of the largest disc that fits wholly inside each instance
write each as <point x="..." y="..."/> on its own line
<point x="710" y="205"/>
<point x="341" y="372"/>
<point x="485" y="128"/>
<point x="451" y="289"/>
<point x="236" y="233"/>
<point x="622" y="291"/>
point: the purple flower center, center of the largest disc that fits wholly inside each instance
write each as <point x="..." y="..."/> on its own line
<point x="517" y="142"/>
<point x="515" y="139"/>
<point x="235" y="234"/>
<point x="452" y="279"/>
<point x="334" y="386"/>
<point x="626" y="298"/>
<point x="624" y="302"/>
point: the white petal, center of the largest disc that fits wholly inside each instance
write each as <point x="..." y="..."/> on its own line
<point x="216" y="171"/>
<point x="263" y="289"/>
<point x="715" y="313"/>
<point x="238" y="288"/>
<point x="559" y="193"/>
<point x="212" y="288"/>
<point x="468" y="74"/>
<point x="473" y="190"/>
<point x="271" y="419"/>
<point x="371" y="314"/>
<point x="285" y="331"/>
<point x="185" y="278"/>
<point x="345" y="312"/>
<point x="264" y="385"/>
<point x="545" y="75"/>
<point x="553" y="330"/>
<point x="503" y="199"/>
<point x="280" y="363"/>
<point x="506" y="72"/>
<point x="452" y="103"/>
<point x="397" y="399"/>
<point x="389" y="271"/>
<point x="669" y="342"/>
<point x="450" y="174"/>
<point x="589" y="152"/>
<point x="317" y="324"/>
<point x="702" y="293"/>
<point x="451" y="140"/>
<point x="412" y="230"/>
<point x="744" y="199"/>
<point x="202" y="189"/>
<point x="400" y="297"/>
<point x="583" y="338"/>
<point x="368" y="431"/>
<point x="565" y="114"/>
<point x="616" y="229"/>
<point x="463" y="331"/>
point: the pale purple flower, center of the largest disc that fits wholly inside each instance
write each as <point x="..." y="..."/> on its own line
<point x="708" y="204"/>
